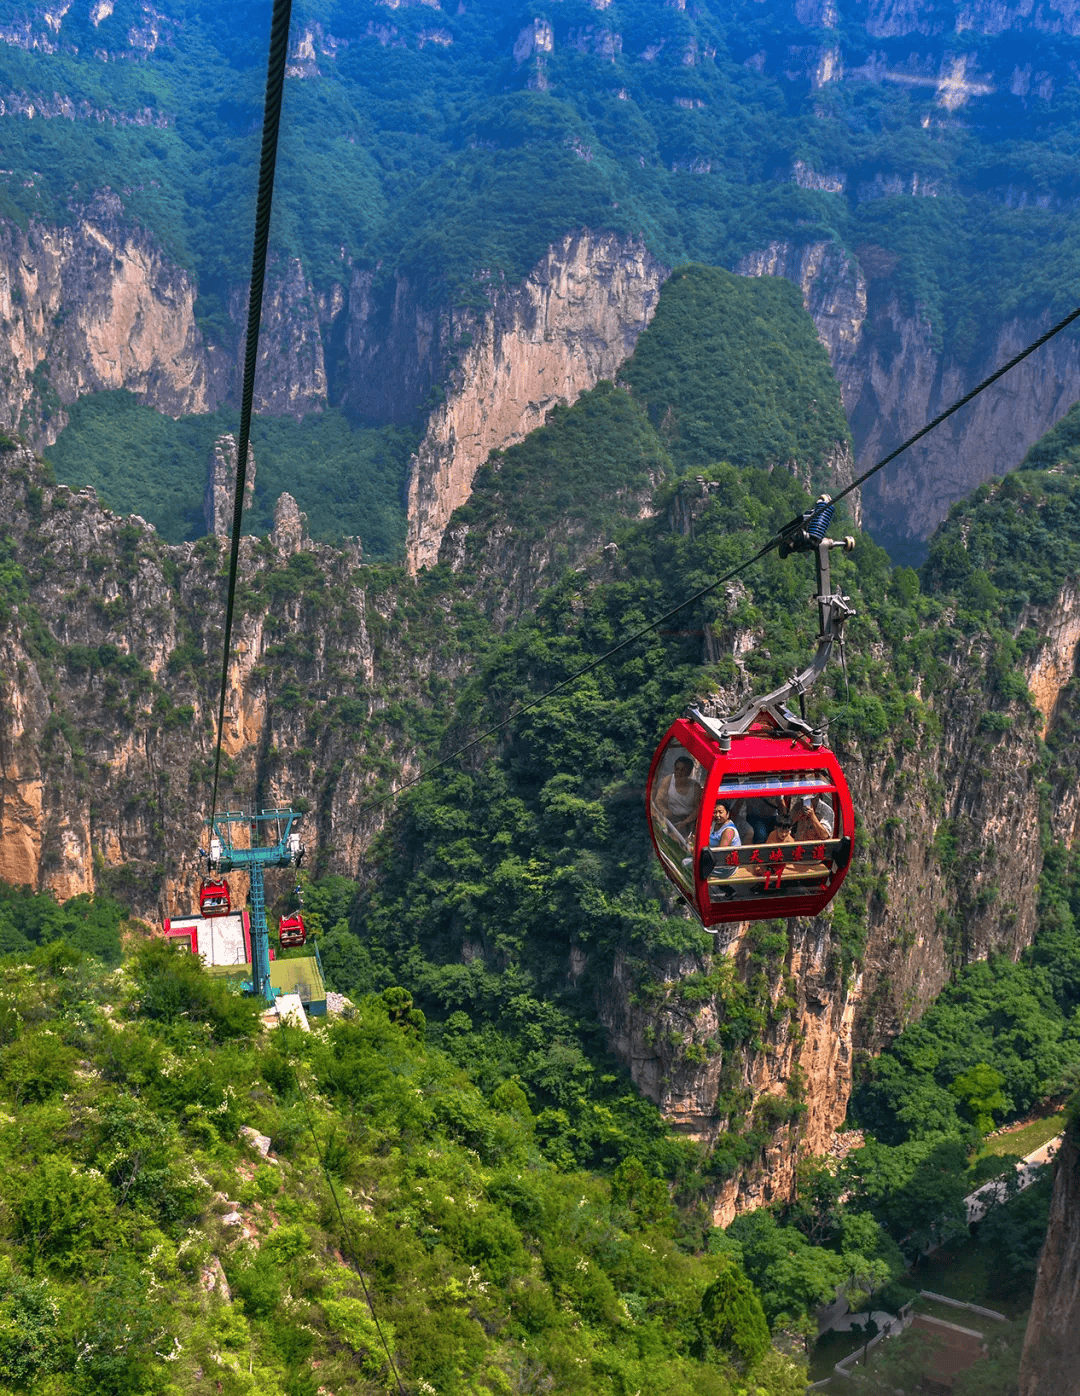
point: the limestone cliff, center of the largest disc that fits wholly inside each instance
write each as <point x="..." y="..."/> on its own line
<point x="106" y="729"/>
<point x="108" y="665"/>
<point x="793" y="1085"/>
<point x="1050" y="1364"/>
<point x="893" y="381"/>
<point x="91" y="306"/>
<point x="573" y="321"/>
<point x="95" y="304"/>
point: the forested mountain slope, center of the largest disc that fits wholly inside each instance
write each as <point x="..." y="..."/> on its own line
<point x="908" y="166"/>
<point x="186" y="1203"/>
<point x="516" y="894"/>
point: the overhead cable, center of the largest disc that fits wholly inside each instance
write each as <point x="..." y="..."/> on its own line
<point x="275" y="82"/>
<point x="773" y="542"/>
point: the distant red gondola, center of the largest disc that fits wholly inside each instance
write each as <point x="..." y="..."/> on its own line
<point x="291" y="931"/>
<point x="214" y="899"/>
<point x="750" y="815"/>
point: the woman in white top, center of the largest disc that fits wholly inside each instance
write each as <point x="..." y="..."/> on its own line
<point x="682" y="796"/>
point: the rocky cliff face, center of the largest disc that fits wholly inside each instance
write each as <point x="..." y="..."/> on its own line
<point x="574" y="320"/>
<point x="92" y="306"/>
<point x="107" y="693"/>
<point x="108" y="666"/>
<point x="793" y="1084"/>
<point x="220" y="496"/>
<point x="949" y="829"/>
<point x="1050" y="1364"/>
<point x="894" y="381"/>
<point x="95" y="305"/>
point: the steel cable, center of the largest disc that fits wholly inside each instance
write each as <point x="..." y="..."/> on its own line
<point x="275" y="83"/>
<point x="773" y="542"/>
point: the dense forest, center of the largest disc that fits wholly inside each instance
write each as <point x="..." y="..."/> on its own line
<point x="437" y="132"/>
<point x="190" y="1205"/>
<point x="458" y="144"/>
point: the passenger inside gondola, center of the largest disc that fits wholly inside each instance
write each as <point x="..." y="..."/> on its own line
<point x="676" y="798"/>
<point x="680" y="796"/>
<point x="807" y="827"/>
<point x="725" y="833"/>
<point x="763" y="811"/>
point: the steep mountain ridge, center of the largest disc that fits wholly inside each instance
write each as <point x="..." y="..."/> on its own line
<point x="346" y="680"/>
<point x="894" y="380"/>
<point x="903" y="159"/>
<point x="574" y="320"/>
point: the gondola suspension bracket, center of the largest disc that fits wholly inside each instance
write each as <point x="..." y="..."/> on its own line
<point x="750" y="815"/>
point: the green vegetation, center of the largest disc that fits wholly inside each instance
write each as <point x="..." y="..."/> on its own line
<point x="147" y="1248"/>
<point x="1026" y="1139"/>
<point x="422" y="144"/>
<point x="1014" y="541"/>
<point x="87" y="924"/>
<point x="998" y="1040"/>
<point x="349" y="480"/>
<point x="732" y="369"/>
<point x="905" y="1363"/>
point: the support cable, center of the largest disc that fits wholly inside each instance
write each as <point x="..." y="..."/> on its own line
<point x="962" y="402"/>
<point x="728" y="576"/>
<point x="275" y="82"/>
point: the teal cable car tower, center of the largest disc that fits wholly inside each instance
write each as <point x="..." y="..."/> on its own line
<point x="272" y="842"/>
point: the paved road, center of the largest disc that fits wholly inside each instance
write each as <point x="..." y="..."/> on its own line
<point x="990" y="1194"/>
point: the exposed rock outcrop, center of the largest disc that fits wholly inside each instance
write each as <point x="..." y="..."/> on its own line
<point x="95" y="304"/>
<point x="1050" y="1363"/>
<point x="290" y="527"/>
<point x="219" y="501"/>
<point x="573" y="321"/>
<point x="795" y="1084"/>
<point x="290" y="376"/>
<point x="893" y="381"/>
<point x="91" y="306"/>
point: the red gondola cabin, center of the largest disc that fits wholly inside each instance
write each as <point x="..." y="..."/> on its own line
<point x="291" y="931"/>
<point x="763" y="829"/>
<point x="214" y="897"/>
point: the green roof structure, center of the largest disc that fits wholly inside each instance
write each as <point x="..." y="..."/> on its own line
<point x="300" y="975"/>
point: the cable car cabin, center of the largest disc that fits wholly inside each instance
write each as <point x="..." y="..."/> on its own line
<point x="291" y="931"/>
<point x="764" y="829"/>
<point x="214" y="897"/>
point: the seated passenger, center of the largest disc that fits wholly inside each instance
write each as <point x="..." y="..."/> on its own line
<point x="679" y="797"/>
<point x="725" y="834"/>
<point x="822" y="807"/>
<point x="781" y="834"/>
<point x="807" y="827"/>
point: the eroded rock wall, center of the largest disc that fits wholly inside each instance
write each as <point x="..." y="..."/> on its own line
<point x="893" y="381"/>
<point x="107" y="731"/>
<point x="91" y="306"/>
<point x="573" y="321"/>
<point x="95" y="304"/>
<point x="1050" y="1363"/>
